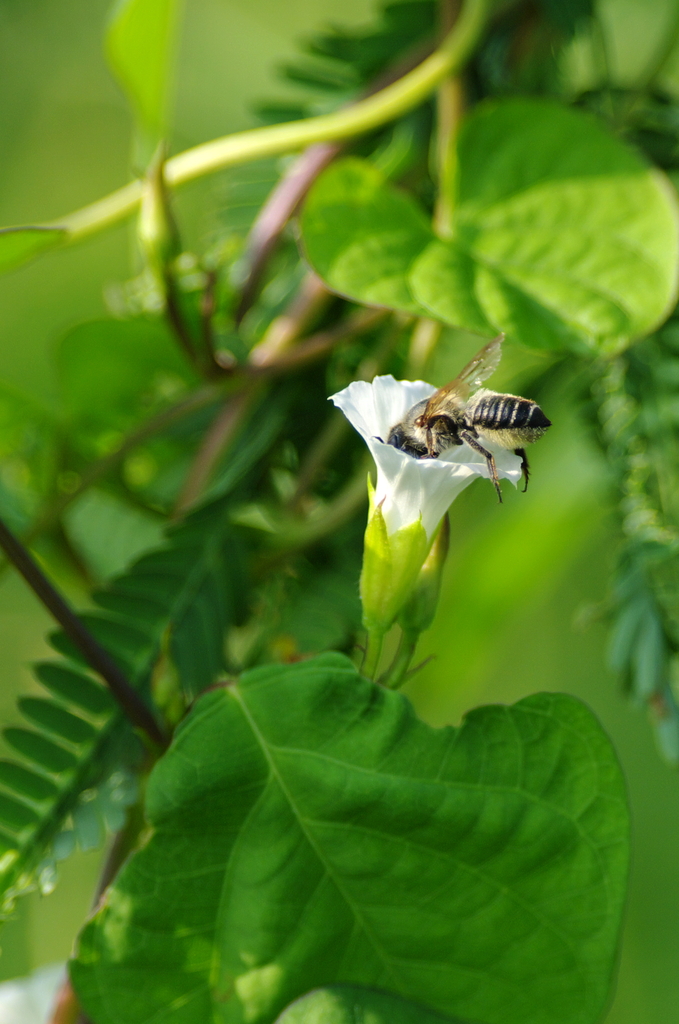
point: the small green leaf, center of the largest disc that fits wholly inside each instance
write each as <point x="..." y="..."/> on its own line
<point x="139" y="48"/>
<point x="362" y="234"/>
<point x="26" y="783"/>
<point x="74" y="687"/>
<point x="39" y="750"/>
<point x="55" y="719"/>
<point x="324" y="834"/>
<point x="347" y="1004"/>
<point x="16" y="815"/>
<point x="571" y="235"/>
<point x="19" y="245"/>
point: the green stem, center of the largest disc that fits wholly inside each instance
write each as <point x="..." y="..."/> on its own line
<point x="396" y="674"/>
<point x="373" y="650"/>
<point x="364" y="116"/>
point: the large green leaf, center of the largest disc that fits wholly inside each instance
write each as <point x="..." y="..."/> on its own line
<point x="347" y="1004"/>
<point x="572" y="235"/>
<point x="362" y="235"/>
<point x="308" y="829"/>
<point x="563" y="237"/>
<point x="139" y="49"/>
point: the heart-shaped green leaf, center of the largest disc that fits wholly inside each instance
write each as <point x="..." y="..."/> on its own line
<point x="361" y="235"/>
<point x="347" y="1004"/>
<point x="573" y="238"/>
<point x="308" y="829"/>
<point x="562" y="235"/>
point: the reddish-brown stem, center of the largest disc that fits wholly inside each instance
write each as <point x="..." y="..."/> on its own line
<point x="216" y="441"/>
<point x="277" y="211"/>
<point x="288" y="194"/>
<point x="317" y="345"/>
<point x="306" y="306"/>
<point x="208" y="307"/>
<point x="96" y="656"/>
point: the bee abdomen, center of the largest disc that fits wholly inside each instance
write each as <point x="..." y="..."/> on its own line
<point x="508" y="412"/>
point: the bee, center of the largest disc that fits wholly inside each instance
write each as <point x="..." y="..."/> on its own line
<point x="458" y="414"/>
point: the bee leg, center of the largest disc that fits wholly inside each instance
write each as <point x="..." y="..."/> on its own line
<point x="467" y="436"/>
<point x="525" y="468"/>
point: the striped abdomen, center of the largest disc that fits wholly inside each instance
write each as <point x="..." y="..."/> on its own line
<point x="512" y="421"/>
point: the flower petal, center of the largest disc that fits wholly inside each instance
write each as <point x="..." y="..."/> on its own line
<point x="374" y="408"/>
<point x="508" y="464"/>
<point x="408" y="489"/>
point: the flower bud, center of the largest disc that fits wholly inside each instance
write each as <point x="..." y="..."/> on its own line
<point x="391" y="565"/>
<point x="417" y="614"/>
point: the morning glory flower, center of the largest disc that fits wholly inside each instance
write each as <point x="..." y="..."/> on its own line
<point x="409" y="500"/>
<point x="410" y="489"/>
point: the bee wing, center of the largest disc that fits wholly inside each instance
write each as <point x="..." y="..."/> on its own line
<point x="475" y="372"/>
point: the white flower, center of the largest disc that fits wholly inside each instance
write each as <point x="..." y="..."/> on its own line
<point x="31" y="1000"/>
<point x="409" y="488"/>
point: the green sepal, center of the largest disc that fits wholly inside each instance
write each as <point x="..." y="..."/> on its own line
<point x="391" y="565"/>
<point x="417" y="614"/>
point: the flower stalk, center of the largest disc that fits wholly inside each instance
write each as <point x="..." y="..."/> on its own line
<point x="398" y="671"/>
<point x="373" y="652"/>
<point x="417" y="614"/>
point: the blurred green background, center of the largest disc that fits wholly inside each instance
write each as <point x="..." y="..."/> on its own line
<point x="518" y="576"/>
